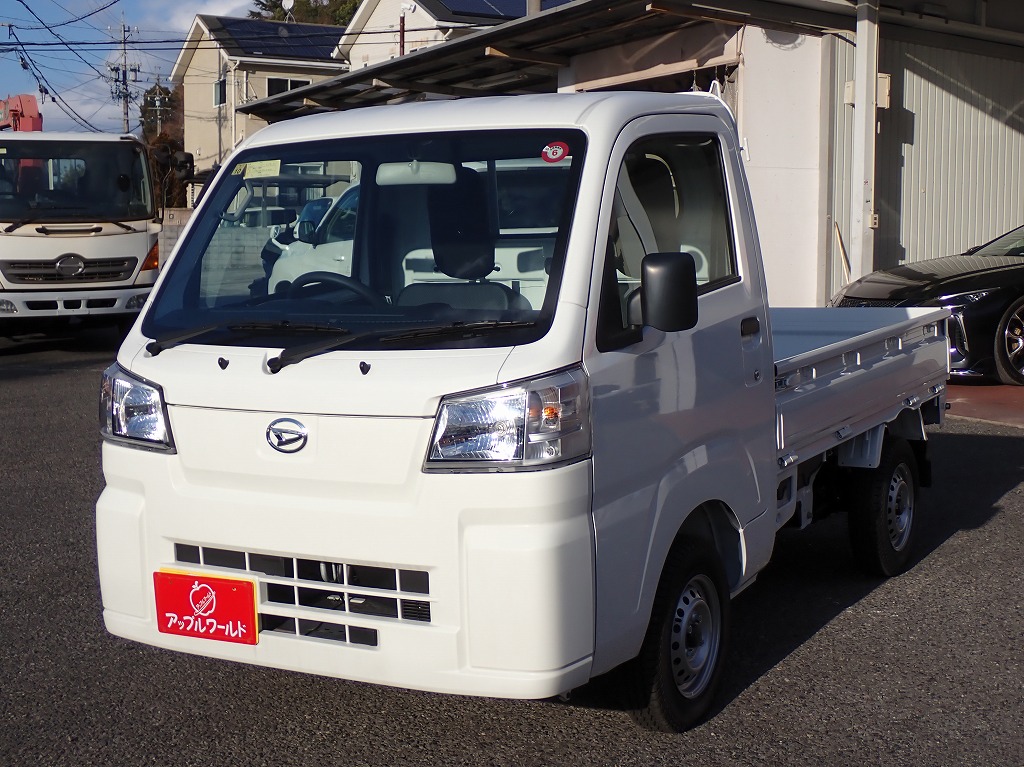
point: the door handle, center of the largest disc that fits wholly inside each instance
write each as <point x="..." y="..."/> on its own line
<point x="750" y="326"/>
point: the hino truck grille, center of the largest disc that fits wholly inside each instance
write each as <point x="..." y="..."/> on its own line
<point x="68" y="270"/>
<point x="322" y="600"/>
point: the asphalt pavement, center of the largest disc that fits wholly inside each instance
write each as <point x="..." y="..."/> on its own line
<point x="826" y="667"/>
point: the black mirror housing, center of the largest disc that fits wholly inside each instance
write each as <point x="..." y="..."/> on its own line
<point x="668" y="292"/>
<point x="305" y="231"/>
<point x="184" y="165"/>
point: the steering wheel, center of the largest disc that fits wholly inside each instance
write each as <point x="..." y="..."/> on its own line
<point x="333" y="278"/>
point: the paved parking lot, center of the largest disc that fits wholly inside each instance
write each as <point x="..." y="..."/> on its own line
<point x="827" y="667"/>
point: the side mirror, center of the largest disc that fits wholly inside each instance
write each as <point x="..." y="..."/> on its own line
<point x="667" y="299"/>
<point x="184" y="165"/>
<point x="305" y="231"/>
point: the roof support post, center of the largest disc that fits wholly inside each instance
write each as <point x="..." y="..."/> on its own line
<point x="863" y="218"/>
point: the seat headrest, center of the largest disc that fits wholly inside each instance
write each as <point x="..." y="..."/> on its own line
<point x="460" y="235"/>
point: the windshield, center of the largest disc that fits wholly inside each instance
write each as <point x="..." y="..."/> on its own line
<point x="74" y="181"/>
<point x="1010" y="244"/>
<point x="377" y="237"/>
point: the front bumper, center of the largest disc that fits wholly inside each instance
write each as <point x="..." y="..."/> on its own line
<point x="478" y="584"/>
<point x="69" y="304"/>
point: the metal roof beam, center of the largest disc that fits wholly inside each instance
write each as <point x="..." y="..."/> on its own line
<point x="758" y="12"/>
<point x="420" y="86"/>
<point x="518" y="54"/>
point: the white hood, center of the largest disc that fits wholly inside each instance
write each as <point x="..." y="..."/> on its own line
<point x="370" y="383"/>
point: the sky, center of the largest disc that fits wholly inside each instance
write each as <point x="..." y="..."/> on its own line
<point x="69" y="55"/>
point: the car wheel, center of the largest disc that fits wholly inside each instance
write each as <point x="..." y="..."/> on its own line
<point x="1010" y="345"/>
<point x="671" y="683"/>
<point x="881" y="512"/>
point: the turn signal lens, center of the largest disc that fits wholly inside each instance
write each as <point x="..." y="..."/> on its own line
<point x="152" y="258"/>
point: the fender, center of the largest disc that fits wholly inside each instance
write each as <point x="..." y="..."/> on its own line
<point x="632" y="548"/>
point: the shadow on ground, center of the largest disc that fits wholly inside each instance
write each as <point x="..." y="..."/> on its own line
<point x="813" y="577"/>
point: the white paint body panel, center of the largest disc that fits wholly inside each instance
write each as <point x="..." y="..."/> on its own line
<point x="538" y="579"/>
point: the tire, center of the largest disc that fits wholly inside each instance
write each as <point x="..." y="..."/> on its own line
<point x="671" y="684"/>
<point x="1009" y="349"/>
<point x="882" y="516"/>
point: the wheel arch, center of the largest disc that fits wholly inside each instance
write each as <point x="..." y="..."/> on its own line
<point x="712" y="522"/>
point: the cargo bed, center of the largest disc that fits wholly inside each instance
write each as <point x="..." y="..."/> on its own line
<point x="839" y="374"/>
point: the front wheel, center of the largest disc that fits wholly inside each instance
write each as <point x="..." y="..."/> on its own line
<point x="1009" y="349"/>
<point x="673" y="680"/>
<point x="882" y="514"/>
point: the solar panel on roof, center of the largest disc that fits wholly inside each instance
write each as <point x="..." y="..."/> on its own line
<point x="508" y="9"/>
<point x="262" y="38"/>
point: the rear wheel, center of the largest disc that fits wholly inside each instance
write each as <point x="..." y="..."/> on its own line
<point x="882" y="512"/>
<point x="673" y="680"/>
<point x="1009" y="349"/>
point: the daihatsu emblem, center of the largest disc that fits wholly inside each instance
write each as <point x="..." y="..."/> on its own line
<point x="286" y="435"/>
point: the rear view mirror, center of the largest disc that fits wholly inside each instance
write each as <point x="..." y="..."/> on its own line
<point x="415" y="172"/>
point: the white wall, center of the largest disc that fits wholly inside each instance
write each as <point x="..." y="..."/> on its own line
<point x="780" y="121"/>
<point x="379" y="39"/>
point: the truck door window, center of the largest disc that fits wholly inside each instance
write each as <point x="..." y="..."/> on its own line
<point x="670" y="197"/>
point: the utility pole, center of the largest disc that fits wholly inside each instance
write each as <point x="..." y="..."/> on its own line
<point x="119" y="74"/>
<point x="156" y="104"/>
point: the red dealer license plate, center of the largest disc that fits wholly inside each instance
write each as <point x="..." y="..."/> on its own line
<point x="205" y="607"/>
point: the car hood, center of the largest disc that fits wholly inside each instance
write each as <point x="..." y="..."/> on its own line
<point x="937" y="277"/>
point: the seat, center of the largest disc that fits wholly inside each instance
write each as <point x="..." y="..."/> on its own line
<point x="463" y="248"/>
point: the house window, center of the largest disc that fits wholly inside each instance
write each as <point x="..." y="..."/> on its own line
<point x="276" y="85"/>
<point x="220" y="92"/>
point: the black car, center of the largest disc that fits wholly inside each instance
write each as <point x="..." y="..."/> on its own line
<point x="984" y="290"/>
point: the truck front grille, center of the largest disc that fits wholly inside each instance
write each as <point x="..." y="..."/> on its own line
<point x="52" y="273"/>
<point x="319" y="599"/>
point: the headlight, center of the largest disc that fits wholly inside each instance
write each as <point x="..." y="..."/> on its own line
<point x="962" y="299"/>
<point x="539" y="423"/>
<point x="132" y="411"/>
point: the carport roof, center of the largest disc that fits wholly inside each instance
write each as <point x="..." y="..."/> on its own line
<point x="526" y="54"/>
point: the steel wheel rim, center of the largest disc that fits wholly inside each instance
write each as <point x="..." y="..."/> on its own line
<point x="899" y="507"/>
<point x="696" y="636"/>
<point x="1013" y="338"/>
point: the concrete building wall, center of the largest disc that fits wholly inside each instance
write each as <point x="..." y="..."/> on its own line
<point x="780" y="123"/>
<point x="174" y="222"/>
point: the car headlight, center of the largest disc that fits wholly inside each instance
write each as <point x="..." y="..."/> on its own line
<point x="132" y="411"/>
<point x="526" y="425"/>
<point x="962" y="299"/>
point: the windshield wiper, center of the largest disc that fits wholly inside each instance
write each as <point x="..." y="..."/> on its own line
<point x="464" y="329"/>
<point x="157" y="345"/>
<point x="33" y="219"/>
<point x="299" y="353"/>
<point x="20" y="223"/>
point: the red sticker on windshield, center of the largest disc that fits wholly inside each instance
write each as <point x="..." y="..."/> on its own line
<point x="556" y="151"/>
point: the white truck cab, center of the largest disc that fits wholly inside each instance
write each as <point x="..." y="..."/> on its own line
<point x="533" y="431"/>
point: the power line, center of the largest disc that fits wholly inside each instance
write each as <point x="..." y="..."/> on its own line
<point x="50" y="27"/>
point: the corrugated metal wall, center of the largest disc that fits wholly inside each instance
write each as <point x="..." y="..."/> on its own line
<point x="950" y="147"/>
<point x="950" y="152"/>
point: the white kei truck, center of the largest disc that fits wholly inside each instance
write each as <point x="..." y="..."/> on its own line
<point x="79" y="224"/>
<point x="528" y="418"/>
